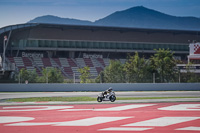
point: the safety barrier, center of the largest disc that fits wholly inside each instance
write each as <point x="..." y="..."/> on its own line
<point x="100" y="87"/>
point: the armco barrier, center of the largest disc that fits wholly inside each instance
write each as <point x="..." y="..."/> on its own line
<point x="100" y="87"/>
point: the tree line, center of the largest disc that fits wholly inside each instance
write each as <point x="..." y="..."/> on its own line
<point x="49" y="75"/>
<point x="159" y="68"/>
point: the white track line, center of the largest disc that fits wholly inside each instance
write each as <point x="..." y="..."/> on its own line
<point x="118" y="108"/>
<point x="163" y="121"/>
<point x="32" y="124"/>
<point x="124" y="129"/>
<point x="190" y="128"/>
<point x="91" y="121"/>
<point x="33" y="108"/>
<point x="82" y="122"/>
<point x="125" y="107"/>
<point x="10" y="119"/>
<point x="182" y="107"/>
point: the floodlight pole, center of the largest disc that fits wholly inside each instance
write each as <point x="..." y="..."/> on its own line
<point x="100" y="78"/>
<point x="19" y="77"/>
<point x="153" y="77"/>
<point x="5" y="44"/>
<point x="47" y="77"/>
<point x="4" y="49"/>
<point x="74" y="78"/>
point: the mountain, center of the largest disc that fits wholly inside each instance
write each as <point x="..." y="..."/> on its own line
<point x="57" y="20"/>
<point x="136" y="17"/>
<point x="142" y="17"/>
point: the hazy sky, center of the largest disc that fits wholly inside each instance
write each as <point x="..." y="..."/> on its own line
<point x="21" y="11"/>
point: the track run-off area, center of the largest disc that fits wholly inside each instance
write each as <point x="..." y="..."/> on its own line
<point x="176" y="117"/>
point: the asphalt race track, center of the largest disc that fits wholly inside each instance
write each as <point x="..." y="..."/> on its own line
<point x="176" y="117"/>
<point x="7" y="95"/>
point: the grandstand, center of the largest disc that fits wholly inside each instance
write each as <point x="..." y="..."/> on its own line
<point x="70" y="47"/>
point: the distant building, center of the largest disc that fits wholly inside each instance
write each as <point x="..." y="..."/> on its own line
<point x="193" y="64"/>
<point x="194" y="56"/>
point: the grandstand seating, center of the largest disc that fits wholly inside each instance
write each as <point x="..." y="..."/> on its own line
<point x="68" y="70"/>
<point x="101" y="61"/>
<point x="19" y="62"/>
<point x="68" y="66"/>
<point x="93" y="72"/>
<point x="11" y="59"/>
<point x="88" y="62"/>
<point x="71" y="62"/>
<point x="80" y="62"/>
<point x="38" y="71"/>
<point x="64" y="62"/>
<point x="27" y="62"/>
<point x="75" y="71"/>
<point x="46" y="62"/>
<point x="96" y="63"/>
<point x="38" y="62"/>
<point x="99" y="69"/>
<point x="30" y="68"/>
<point x="106" y="61"/>
<point x="53" y="63"/>
<point x="56" y="62"/>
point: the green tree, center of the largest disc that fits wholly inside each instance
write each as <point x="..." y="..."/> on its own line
<point x="44" y="77"/>
<point x="32" y="78"/>
<point x="55" y="76"/>
<point x="24" y="75"/>
<point x="85" y="74"/>
<point x="51" y="75"/>
<point x="114" y="73"/>
<point x="164" y="65"/>
<point x="137" y="69"/>
<point x="100" y="78"/>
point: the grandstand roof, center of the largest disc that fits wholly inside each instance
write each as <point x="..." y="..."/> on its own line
<point x="95" y="38"/>
<point x="91" y="27"/>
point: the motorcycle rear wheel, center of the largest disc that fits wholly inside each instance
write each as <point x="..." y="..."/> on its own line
<point x="99" y="99"/>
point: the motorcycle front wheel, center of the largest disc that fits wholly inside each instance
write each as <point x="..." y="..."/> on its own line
<point x="99" y="99"/>
<point x="112" y="98"/>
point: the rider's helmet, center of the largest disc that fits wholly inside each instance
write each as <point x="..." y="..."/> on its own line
<point x="110" y="89"/>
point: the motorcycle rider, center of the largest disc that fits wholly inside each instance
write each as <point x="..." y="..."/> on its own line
<point x="107" y="92"/>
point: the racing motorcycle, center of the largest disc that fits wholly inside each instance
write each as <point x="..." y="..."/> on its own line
<point x="106" y="96"/>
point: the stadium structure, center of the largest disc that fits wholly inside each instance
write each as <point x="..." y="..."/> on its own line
<point x="70" y="47"/>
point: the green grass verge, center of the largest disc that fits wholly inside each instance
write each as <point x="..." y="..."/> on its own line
<point x="142" y="98"/>
<point x="73" y="99"/>
<point x="39" y="99"/>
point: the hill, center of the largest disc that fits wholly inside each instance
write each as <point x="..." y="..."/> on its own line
<point x="137" y="17"/>
<point x="57" y="20"/>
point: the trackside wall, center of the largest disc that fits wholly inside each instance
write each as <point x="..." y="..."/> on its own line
<point x="100" y="87"/>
